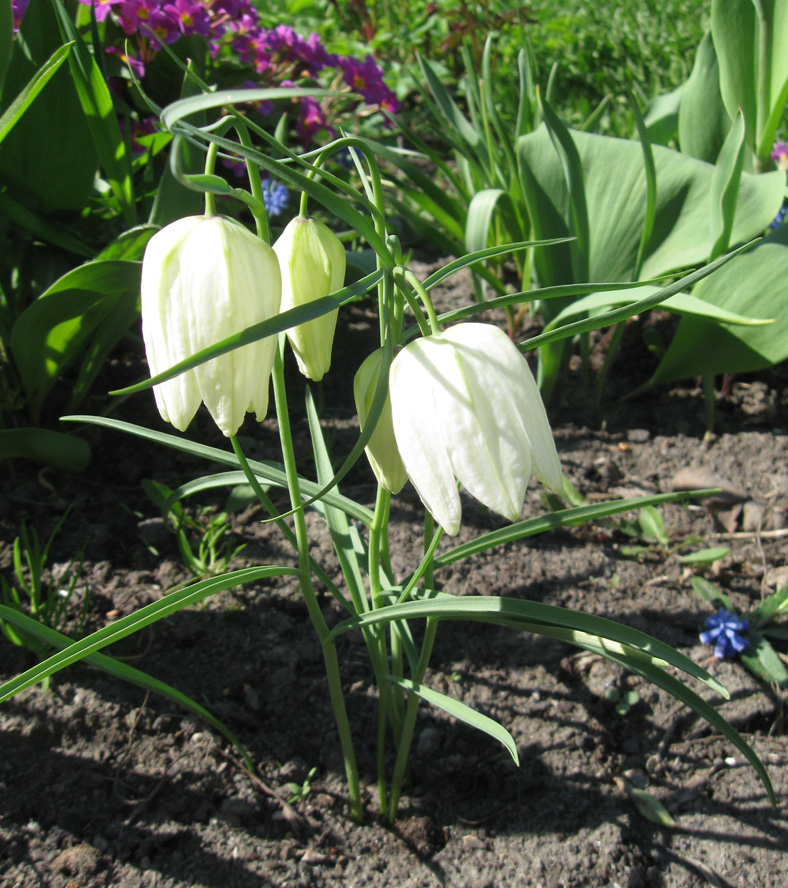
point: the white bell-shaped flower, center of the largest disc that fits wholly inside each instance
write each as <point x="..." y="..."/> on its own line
<point x="205" y="278"/>
<point x="381" y="449"/>
<point x="466" y="408"/>
<point x="312" y="260"/>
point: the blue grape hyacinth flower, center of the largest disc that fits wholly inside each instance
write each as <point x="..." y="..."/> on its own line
<point x="725" y="631"/>
<point x="275" y="197"/>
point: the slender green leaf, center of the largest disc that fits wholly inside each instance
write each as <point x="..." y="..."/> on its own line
<point x="705" y="556"/>
<point x="125" y="672"/>
<point x="651" y="186"/>
<point x="754" y="284"/>
<point x="339" y="527"/>
<point x="267" y="471"/>
<point x="46" y="230"/>
<point x="603" y="635"/>
<point x="703" y="120"/>
<point x="141" y="618"/>
<point x="56" y="449"/>
<point x="277" y="324"/>
<point x="461" y="711"/>
<point x="565" y="517"/>
<point x="762" y="660"/>
<point x="724" y="192"/>
<point x="6" y="38"/>
<point x="23" y="101"/>
<point x="709" y="592"/>
<point x="99" y="110"/>
<point x="680" y="303"/>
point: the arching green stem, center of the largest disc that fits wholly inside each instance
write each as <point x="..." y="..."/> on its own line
<point x="307" y="589"/>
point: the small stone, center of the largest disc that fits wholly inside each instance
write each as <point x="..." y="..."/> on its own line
<point x="472" y="843"/>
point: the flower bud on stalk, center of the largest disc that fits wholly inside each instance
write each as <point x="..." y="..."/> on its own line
<point x="312" y="260"/>
<point x="465" y="408"/>
<point x="205" y="278"/>
<point x="381" y="448"/>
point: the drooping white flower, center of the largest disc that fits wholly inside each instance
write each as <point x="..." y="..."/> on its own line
<point x="381" y="449"/>
<point x="312" y="260"/>
<point x="466" y="408"/>
<point x="205" y="278"/>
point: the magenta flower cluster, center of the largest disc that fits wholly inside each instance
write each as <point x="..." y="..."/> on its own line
<point x="277" y="56"/>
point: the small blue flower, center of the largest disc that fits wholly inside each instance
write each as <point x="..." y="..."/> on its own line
<point x="724" y="630"/>
<point x="275" y="197"/>
<point x="780" y="217"/>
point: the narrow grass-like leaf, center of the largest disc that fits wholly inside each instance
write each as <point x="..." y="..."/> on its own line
<point x="127" y="673"/>
<point x="705" y="710"/>
<point x="336" y="520"/>
<point x="544" y="523"/>
<point x="277" y="324"/>
<point x="681" y="304"/>
<point x="268" y="471"/>
<point x="43" y="229"/>
<point x="762" y="660"/>
<point x="705" y="556"/>
<point x="725" y="182"/>
<point x="709" y="592"/>
<point x="461" y="711"/>
<point x="56" y="449"/>
<point x="23" y="101"/>
<point x="100" y="114"/>
<point x="651" y="186"/>
<point x="141" y="618"/>
<point x="621" y="314"/>
<point x="606" y="637"/>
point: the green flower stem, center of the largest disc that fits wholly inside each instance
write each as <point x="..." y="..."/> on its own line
<point x="280" y="522"/>
<point x="253" y="171"/>
<point x="307" y="589"/>
<point x="763" y="146"/>
<point x="410" y="719"/>
<point x="210" y="163"/>
<point x="405" y="289"/>
<point x="426" y="301"/>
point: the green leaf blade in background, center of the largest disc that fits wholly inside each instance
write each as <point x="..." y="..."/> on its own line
<point x="6" y="38"/>
<point x="50" y="332"/>
<point x="60" y="451"/>
<point x="703" y="122"/>
<point x="46" y="161"/>
<point x="752" y="283"/>
<point x="99" y="111"/>
<point x="734" y="29"/>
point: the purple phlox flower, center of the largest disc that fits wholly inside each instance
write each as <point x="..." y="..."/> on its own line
<point x="101" y="8"/>
<point x="275" y="197"/>
<point x="138" y="129"/>
<point x="234" y="9"/>
<point x="311" y="120"/>
<point x="366" y="78"/>
<point x="264" y="106"/>
<point x="189" y="16"/>
<point x="725" y="630"/>
<point x="148" y="19"/>
<point x="18" y="8"/>
<point x="136" y="65"/>
<point x="780" y="155"/>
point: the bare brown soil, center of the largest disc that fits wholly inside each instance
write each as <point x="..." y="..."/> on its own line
<point x="103" y="785"/>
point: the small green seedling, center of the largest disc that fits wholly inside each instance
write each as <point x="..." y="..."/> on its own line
<point x="299" y="791"/>
<point x="30" y="593"/>
<point x="212" y="554"/>
<point x="623" y="701"/>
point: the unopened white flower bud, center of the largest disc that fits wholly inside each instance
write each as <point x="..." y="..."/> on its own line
<point x="312" y="260"/>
